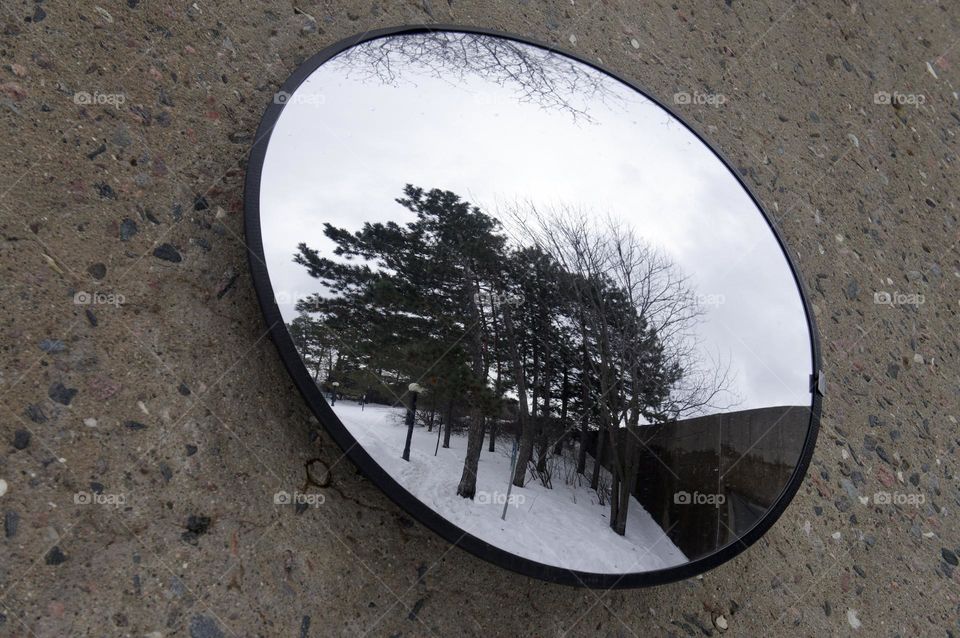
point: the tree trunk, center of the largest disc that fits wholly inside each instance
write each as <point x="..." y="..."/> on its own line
<point x="535" y="388"/>
<point x="543" y="446"/>
<point x="544" y="429"/>
<point x="614" y="501"/>
<point x="631" y="452"/>
<point x="447" y="423"/>
<point x="411" y="419"/>
<point x="497" y="384"/>
<point x="621" y="525"/>
<point x="526" y="431"/>
<point x="630" y="465"/>
<point x="598" y="459"/>
<point x="468" y="479"/>
<point x="564" y="389"/>
<point x="585" y="398"/>
<point x="525" y="453"/>
<point x="582" y="454"/>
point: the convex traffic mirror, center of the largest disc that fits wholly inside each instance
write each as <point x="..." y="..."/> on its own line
<point x="532" y="305"/>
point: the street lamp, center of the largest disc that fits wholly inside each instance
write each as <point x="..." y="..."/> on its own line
<point x="415" y="389"/>
<point x="333" y="393"/>
<point x="363" y="397"/>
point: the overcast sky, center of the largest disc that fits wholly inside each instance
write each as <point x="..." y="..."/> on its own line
<point x="344" y="147"/>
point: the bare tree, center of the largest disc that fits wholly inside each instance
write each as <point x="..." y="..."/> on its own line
<point x="638" y="315"/>
<point x="536" y="75"/>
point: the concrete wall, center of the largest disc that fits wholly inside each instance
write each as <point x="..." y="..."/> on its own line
<point x="737" y="463"/>
<point x="863" y="192"/>
<point x="707" y="480"/>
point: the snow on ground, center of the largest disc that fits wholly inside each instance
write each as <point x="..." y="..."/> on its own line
<point x="564" y="526"/>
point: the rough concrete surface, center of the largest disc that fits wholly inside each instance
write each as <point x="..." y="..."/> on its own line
<point x="147" y="425"/>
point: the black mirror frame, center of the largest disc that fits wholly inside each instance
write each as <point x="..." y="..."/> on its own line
<point x="384" y="481"/>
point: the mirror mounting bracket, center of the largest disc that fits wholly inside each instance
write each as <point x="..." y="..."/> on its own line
<point x="818" y="382"/>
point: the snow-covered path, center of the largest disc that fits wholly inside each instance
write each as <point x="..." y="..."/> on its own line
<point x="564" y="526"/>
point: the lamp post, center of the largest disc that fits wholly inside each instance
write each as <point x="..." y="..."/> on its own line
<point x="415" y="389"/>
<point x="333" y="393"/>
<point x="363" y="397"/>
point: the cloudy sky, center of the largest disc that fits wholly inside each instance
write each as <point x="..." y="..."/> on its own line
<point x="345" y="145"/>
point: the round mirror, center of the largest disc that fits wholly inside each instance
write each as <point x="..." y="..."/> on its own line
<point x="532" y="305"/>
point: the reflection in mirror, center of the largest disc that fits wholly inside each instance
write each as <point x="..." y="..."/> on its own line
<point x="537" y="300"/>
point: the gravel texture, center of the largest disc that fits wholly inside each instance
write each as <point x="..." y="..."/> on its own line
<point x="147" y="421"/>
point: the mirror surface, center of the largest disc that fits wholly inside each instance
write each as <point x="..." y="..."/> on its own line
<point x="538" y="301"/>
